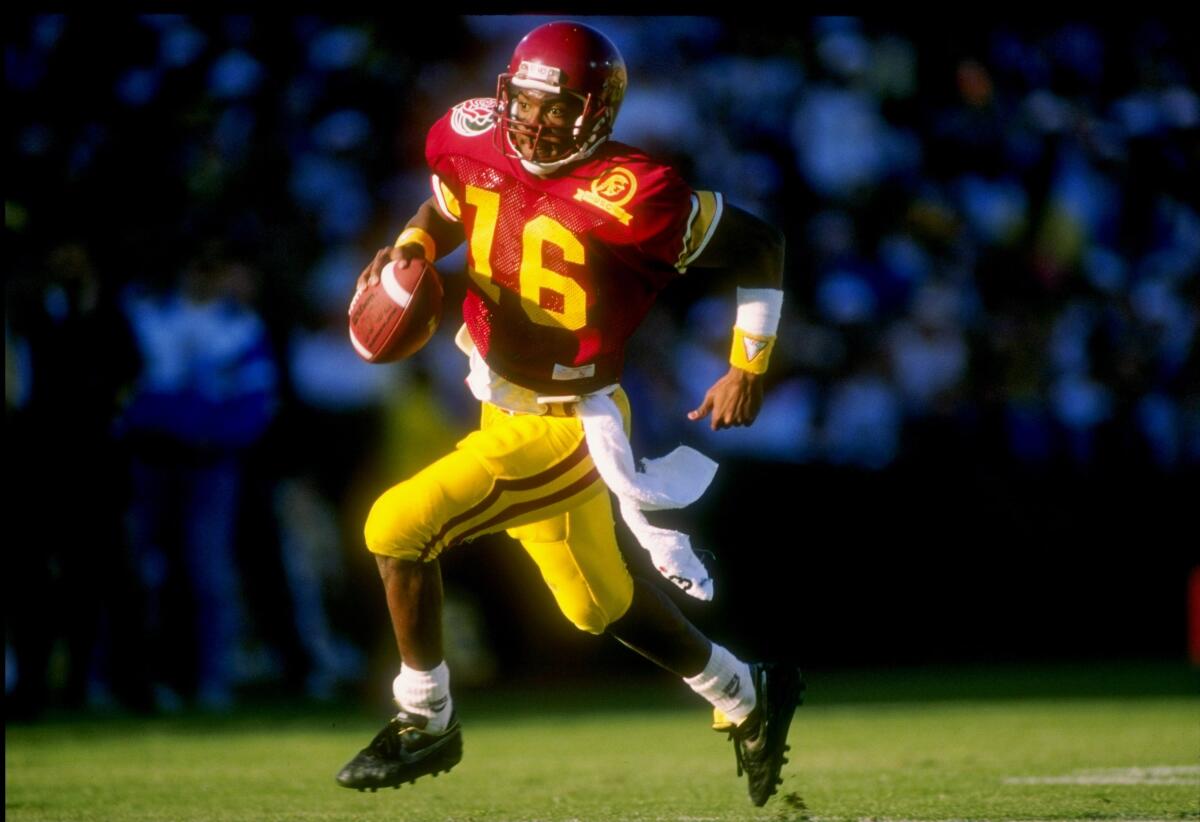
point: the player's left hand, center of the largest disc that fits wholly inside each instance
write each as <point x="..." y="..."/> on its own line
<point x="733" y="400"/>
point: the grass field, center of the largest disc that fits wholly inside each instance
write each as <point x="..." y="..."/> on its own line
<point x="918" y="745"/>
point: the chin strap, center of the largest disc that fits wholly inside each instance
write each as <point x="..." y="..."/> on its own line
<point x="542" y="169"/>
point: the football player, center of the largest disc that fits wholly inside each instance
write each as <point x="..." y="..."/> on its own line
<point x="570" y="235"/>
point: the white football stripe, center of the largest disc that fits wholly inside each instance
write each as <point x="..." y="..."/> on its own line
<point x="359" y="347"/>
<point x="399" y="294"/>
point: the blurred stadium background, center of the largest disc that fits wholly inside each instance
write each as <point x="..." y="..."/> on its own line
<point x="982" y="432"/>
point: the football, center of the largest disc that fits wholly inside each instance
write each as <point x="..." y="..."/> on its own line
<point x="395" y="317"/>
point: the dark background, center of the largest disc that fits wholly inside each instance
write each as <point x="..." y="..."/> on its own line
<point x="982" y="431"/>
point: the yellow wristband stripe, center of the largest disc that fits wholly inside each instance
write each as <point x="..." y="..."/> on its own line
<point x="751" y="352"/>
<point x="412" y="234"/>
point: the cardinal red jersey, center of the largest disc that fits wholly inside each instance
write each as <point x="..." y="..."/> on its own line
<point x="562" y="268"/>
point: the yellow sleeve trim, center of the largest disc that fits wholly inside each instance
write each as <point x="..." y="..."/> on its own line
<point x="447" y="203"/>
<point x="707" y="207"/>
<point x="412" y="234"/>
<point x="751" y="352"/>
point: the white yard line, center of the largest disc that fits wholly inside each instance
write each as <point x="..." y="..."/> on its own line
<point x="1158" y="775"/>
<point x="783" y="815"/>
<point x="970" y="819"/>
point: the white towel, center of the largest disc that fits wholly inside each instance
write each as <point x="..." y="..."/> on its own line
<point x="673" y="481"/>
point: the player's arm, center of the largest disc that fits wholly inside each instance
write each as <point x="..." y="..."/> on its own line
<point x="748" y="253"/>
<point x="428" y="235"/>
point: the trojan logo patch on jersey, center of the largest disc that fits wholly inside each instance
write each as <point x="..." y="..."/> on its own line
<point x="610" y="191"/>
<point x="474" y="117"/>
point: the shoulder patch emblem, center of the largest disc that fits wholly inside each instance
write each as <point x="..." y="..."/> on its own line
<point x="610" y="191"/>
<point x="473" y="117"/>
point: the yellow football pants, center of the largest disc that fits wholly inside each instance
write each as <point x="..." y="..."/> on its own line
<point x="528" y="475"/>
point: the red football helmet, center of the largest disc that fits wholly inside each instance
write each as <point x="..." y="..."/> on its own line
<point x="562" y="58"/>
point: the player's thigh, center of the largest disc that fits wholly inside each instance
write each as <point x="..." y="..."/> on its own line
<point x="578" y="556"/>
<point x="515" y="470"/>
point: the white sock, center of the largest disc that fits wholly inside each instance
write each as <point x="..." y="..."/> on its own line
<point x="725" y="683"/>
<point x="425" y="693"/>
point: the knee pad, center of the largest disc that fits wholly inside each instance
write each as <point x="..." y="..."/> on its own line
<point x="590" y="605"/>
<point x="586" y="616"/>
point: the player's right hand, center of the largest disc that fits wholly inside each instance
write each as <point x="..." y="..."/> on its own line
<point x="370" y="275"/>
<point x="735" y="399"/>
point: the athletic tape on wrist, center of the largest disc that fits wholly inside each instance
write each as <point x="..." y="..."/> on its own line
<point x="413" y="234"/>
<point x="758" y="310"/>
<point x="754" y="332"/>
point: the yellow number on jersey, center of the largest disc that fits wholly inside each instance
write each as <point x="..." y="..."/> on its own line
<point x="535" y="278"/>
<point x="565" y="305"/>
<point x="483" y="230"/>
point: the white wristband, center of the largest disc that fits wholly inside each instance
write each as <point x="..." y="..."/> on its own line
<point x="758" y="310"/>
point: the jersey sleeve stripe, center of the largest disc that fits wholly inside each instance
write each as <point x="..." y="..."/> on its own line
<point x="707" y="207"/>
<point x="447" y="203"/>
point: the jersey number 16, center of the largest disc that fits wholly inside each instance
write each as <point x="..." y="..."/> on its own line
<point x="547" y="297"/>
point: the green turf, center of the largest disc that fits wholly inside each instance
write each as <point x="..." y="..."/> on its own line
<point x="579" y="755"/>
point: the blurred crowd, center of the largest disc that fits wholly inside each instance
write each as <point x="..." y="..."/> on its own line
<point x="993" y="257"/>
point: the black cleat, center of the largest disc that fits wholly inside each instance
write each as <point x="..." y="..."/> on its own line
<point x="402" y="752"/>
<point x="761" y="740"/>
